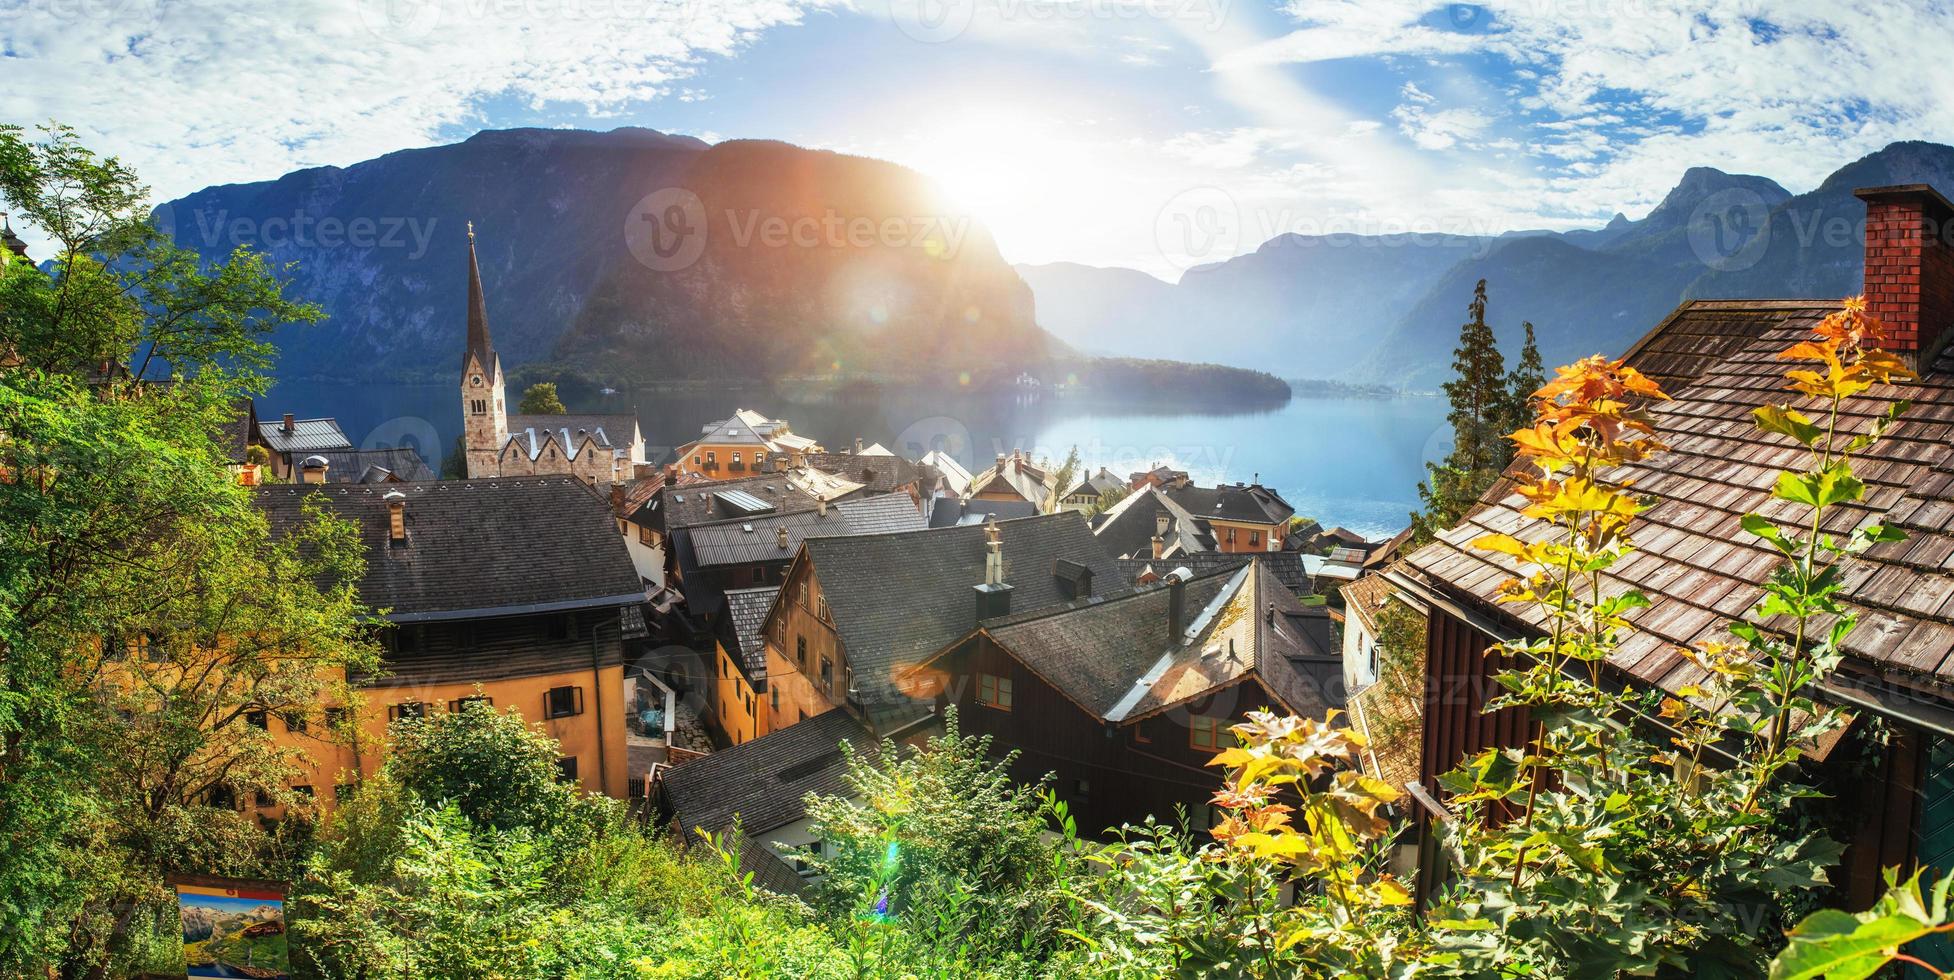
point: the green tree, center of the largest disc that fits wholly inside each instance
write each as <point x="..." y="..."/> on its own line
<point x="540" y="399"/>
<point x="1063" y="478"/>
<point x="1480" y="407"/>
<point x="489" y="765"/>
<point x="147" y="614"/>
<point x="943" y="840"/>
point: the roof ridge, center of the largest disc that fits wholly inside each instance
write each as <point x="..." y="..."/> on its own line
<point x="939" y="530"/>
<point x="1090" y="602"/>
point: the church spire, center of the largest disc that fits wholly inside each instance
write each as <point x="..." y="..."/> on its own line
<point x="478" y="330"/>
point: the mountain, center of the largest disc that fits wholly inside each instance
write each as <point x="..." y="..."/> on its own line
<point x="1384" y="310"/>
<point x="630" y="255"/>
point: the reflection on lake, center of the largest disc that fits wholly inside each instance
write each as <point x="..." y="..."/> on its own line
<point x="1349" y="461"/>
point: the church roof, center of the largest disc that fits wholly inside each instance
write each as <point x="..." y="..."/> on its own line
<point x="533" y="433"/>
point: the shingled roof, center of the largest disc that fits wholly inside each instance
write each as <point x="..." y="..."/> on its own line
<point x="763" y="783"/>
<point x="306" y="435"/>
<point x="1718" y="361"/>
<point x="746" y="540"/>
<point x="672" y="507"/>
<point x="897" y="599"/>
<point x="1118" y="660"/>
<point x="1284" y="566"/>
<point x="746" y="617"/>
<point x="476" y="548"/>
<point x="400" y="464"/>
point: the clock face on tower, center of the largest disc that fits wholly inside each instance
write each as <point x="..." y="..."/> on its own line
<point x="477" y="382"/>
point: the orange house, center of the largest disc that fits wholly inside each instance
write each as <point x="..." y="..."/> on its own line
<point x="741" y="445"/>
<point x="514" y="591"/>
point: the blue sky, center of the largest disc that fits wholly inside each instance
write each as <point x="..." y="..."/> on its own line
<point x="1146" y="133"/>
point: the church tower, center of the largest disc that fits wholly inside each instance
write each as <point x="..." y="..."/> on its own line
<point x="484" y="411"/>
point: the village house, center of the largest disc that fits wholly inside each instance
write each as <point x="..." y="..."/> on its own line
<point x="856" y="614"/>
<point x="1126" y="696"/>
<point x="742" y="443"/>
<point x="1160" y="475"/>
<point x="1015" y="477"/>
<point x="597" y="449"/>
<point x="290" y="440"/>
<point x="1175" y="519"/>
<point x="515" y="591"/>
<point x="398" y="465"/>
<point x="1718" y="360"/>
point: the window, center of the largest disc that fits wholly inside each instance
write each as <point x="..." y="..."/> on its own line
<point x="406" y="709"/>
<point x="695" y="461"/>
<point x="562" y="702"/>
<point x="1082" y="788"/>
<point x="302" y="791"/>
<point x="644" y="536"/>
<point x="712" y="460"/>
<point x="566" y="769"/>
<point x="773" y="695"/>
<point x="335" y="717"/>
<point x="342" y="792"/>
<point x="736" y="460"/>
<point x="223" y="798"/>
<point x="1206" y="733"/>
<point x="994" y="691"/>
<point x="827" y="675"/>
<point x="262" y="797"/>
<point x="800" y="653"/>
<point x="257" y="719"/>
<point x="458" y="705"/>
<point x="294" y="722"/>
<point x="1231" y="535"/>
<point x="1255" y="539"/>
<point x="821" y="609"/>
<point x="803" y="593"/>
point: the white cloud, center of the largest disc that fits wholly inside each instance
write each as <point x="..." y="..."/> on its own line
<point x="194" y="92"/>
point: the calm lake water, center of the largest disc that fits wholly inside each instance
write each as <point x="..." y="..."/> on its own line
<point x="1349" y="461"/>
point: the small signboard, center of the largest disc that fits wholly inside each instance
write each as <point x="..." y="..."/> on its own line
<point x="232" y="927"/>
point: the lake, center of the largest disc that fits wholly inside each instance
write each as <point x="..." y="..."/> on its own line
<point x="1349" y="461"/>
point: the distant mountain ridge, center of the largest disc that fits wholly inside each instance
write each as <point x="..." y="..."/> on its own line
<point x="634" y="256"/>
<point x="1386" y="309"/>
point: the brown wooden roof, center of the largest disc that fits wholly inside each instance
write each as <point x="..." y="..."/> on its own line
<point x="1718" y="360"/>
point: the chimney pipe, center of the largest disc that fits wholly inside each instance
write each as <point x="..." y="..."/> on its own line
<point x="396" y="518"/>
<point x="821" y="506"/>
<point x="290" y="424"/>
<point x="780" y="534"/>
<point x="993" y="553"/>
<point x="1160" y="519"/>
<point x="1909" y="280"/>
<point x="1159" y="546"/>
<point x="313" y="470"/>
<point x="1176" y="605"/>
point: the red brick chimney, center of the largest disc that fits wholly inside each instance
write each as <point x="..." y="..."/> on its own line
<point x="1910" y="267"/>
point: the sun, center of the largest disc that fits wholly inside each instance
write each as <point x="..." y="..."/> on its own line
<point x="1009" y="171"/>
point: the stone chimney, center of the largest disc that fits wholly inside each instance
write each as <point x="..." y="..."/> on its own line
<point x="994" y="596"/>
<point x="1159" y="546"/>
<point x="396" y="518"/>
<point x="313" y="470"/>
<point x="290" y="426"/>
<point x="1910" y="267"/>
<point x="821" y="506"/>
<point x="780" y="536"/>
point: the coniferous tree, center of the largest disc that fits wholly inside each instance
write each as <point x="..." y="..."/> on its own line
<point x="1479" y="396"/>
<point x="1528" y="374"/>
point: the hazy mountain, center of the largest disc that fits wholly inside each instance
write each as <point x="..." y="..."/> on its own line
<point x="630" y="256"/>
<point x="1366" y="311"/>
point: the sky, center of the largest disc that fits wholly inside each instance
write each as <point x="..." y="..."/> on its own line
<point x="1151" y="134"/>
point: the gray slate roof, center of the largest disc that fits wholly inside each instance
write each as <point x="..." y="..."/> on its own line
<point x="762" y="783"/>
<point x="746" y="616"/>
<point x="896" y="599"/>
<point x="950" y="511"/>
<point x="683" y="506"/>
<point x="1127" y="528"/>
<point x="531" y="433"/>
<point x="1116" y="659"/>
<point x="744" y="541"/>
<point x="1239" y="502"/>
<point x="876" y="473"/>
<point x="307" y="435"/>
<point x="1285" y="566"/>
<point x="476" y="548"/>
<point x="357" y="465"/>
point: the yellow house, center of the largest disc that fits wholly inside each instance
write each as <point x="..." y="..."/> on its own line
<point x="741" y="704"/>
<point x="741" y="444"/>
<point x="517" y="591"/>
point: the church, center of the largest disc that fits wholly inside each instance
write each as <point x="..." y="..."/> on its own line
<point x="597" y="449"/>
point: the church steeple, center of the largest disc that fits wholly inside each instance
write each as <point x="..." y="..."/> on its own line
<point x="478" y="330"/>
<point x="484" y="410"/>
